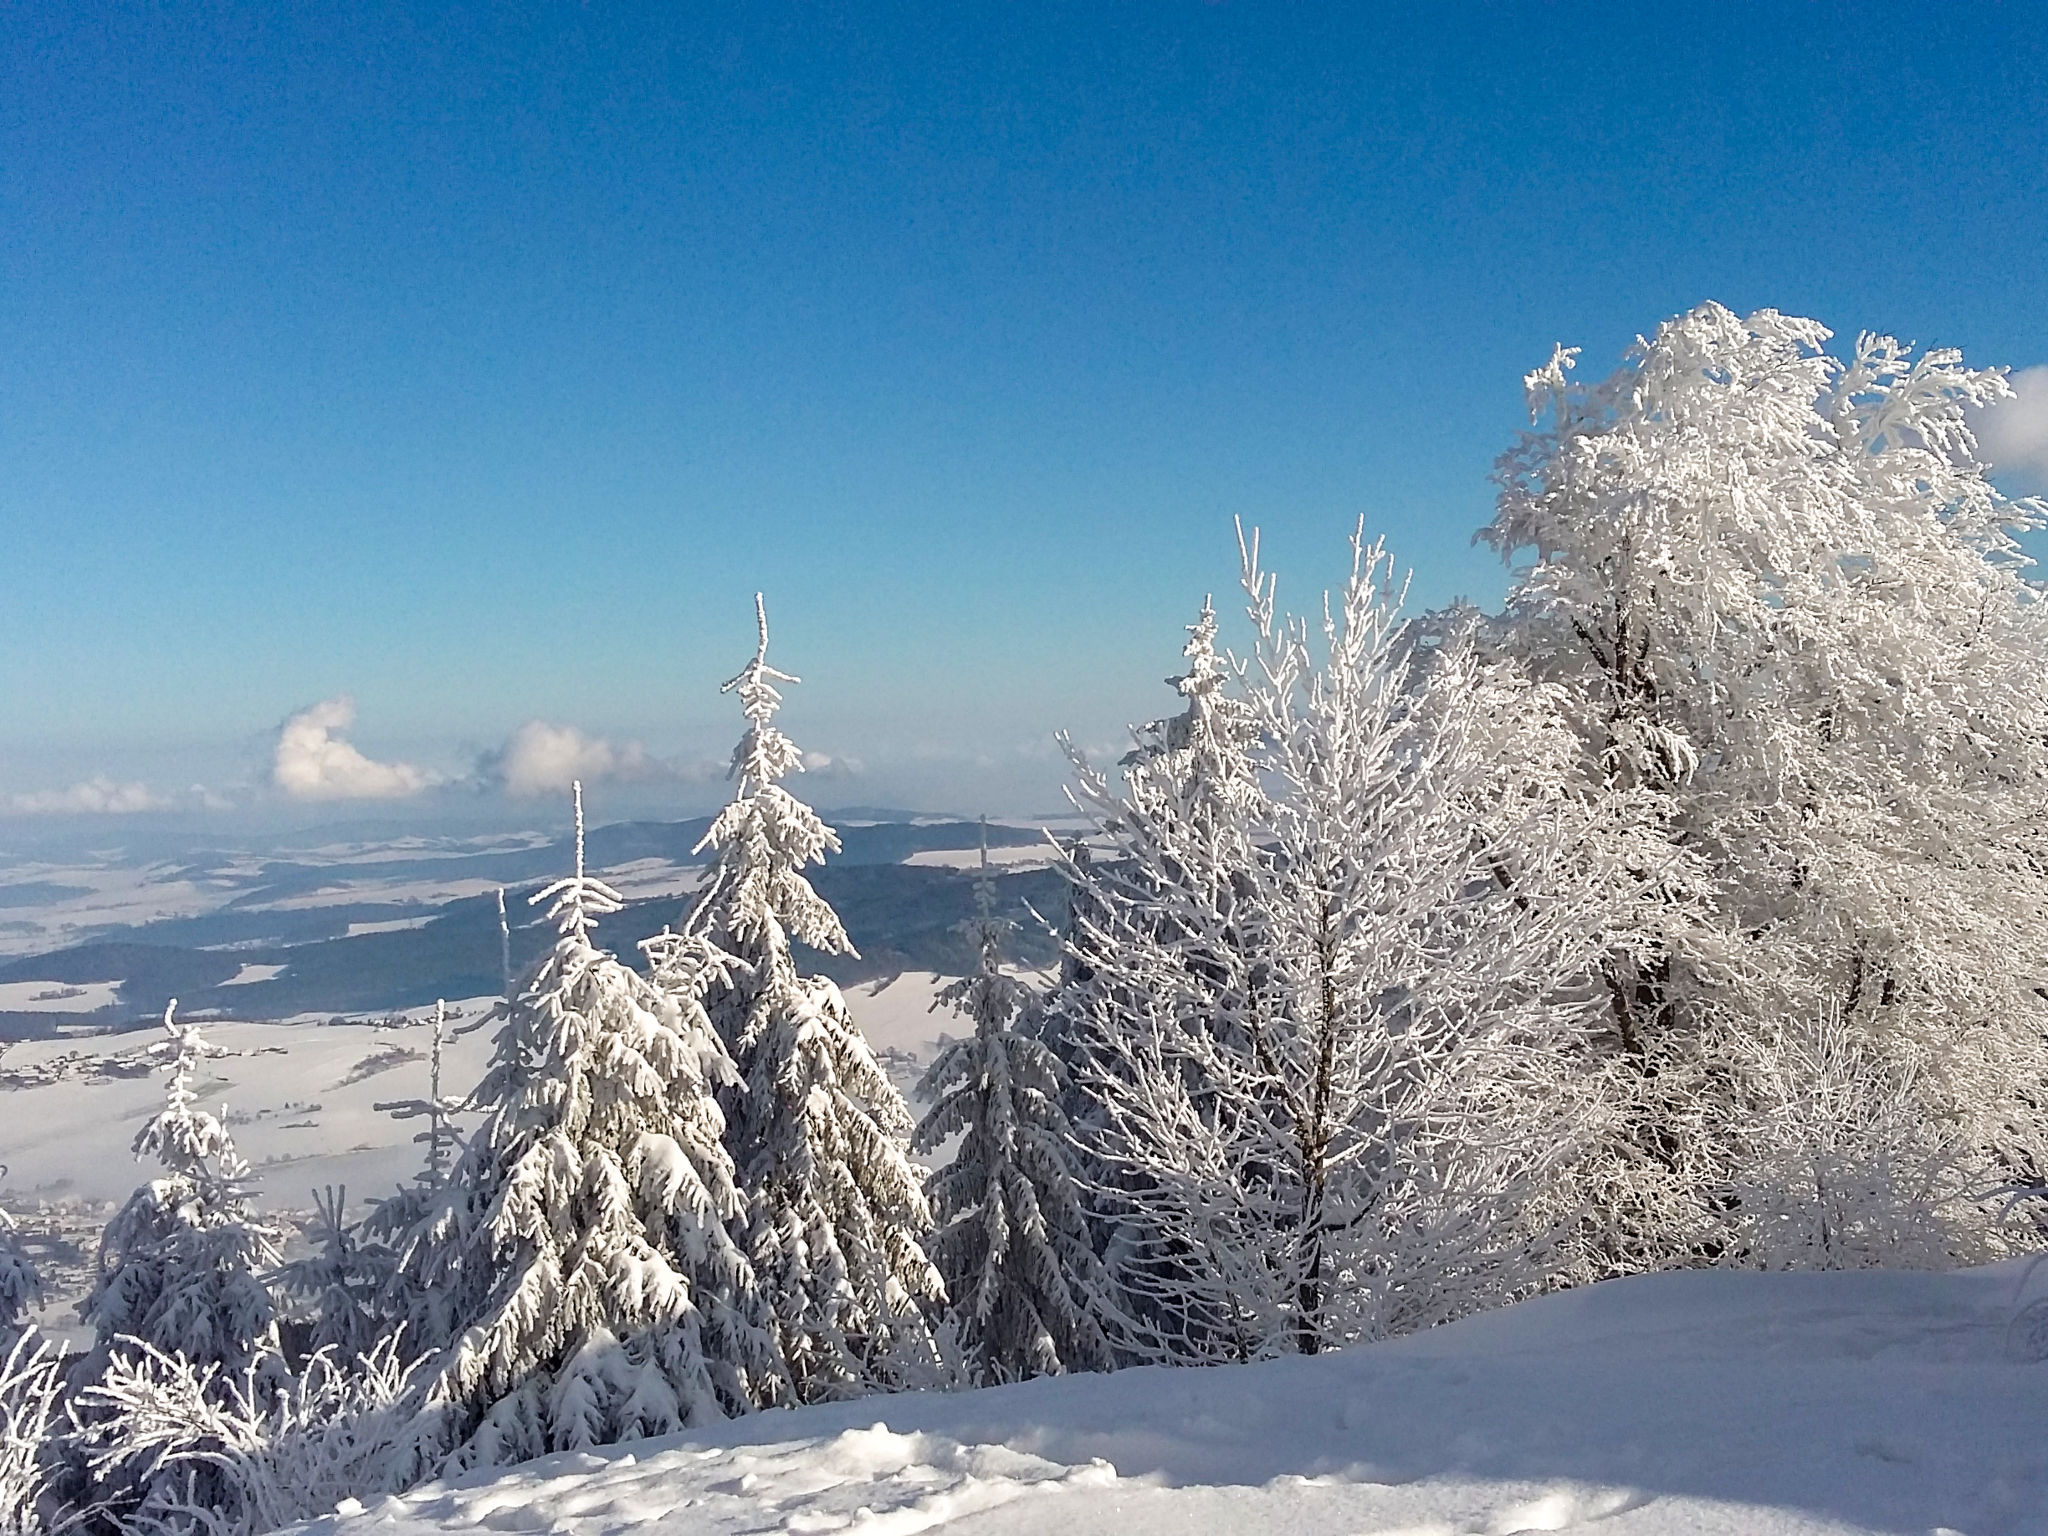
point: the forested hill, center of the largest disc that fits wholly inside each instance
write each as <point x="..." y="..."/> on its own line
<point x="391" y="927"/>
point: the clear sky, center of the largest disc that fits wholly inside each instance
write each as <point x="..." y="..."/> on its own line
<point x="480" y="362"/>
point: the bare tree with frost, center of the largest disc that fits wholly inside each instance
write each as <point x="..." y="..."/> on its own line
<point x="837" y="1217"/>
<point x="601" y="1294"/>
<point x="31" y="1390"/>
<point x="234" y="1455"/>
<point x="1783" y="602"/>
<point x="1333" y="1009"/>
<point x="1012" y="1243"/>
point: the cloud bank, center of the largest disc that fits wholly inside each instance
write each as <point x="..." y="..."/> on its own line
<point x="2012" y="435"/>
<point x="97" y="796"/>
<point x="313" y="762"/>
<point x="543" y="759"/>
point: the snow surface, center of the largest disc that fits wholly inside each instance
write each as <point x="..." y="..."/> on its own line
<point x="1746" y="1404"/>
<point x="1018" y="856"/>
<point x="300" y="1097"/>
<point x="249" y="974"/>
<point x="55" y="996"/>
<point x="300" y="1100"/>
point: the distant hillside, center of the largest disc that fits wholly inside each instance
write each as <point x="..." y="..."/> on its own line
<point x="291" y="938"/>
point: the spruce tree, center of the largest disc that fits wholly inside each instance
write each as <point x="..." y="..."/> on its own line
<point x="588" y="1257"/>
<point x="182" y="1274"/>
<point x="1012" y="1244"/>
<point x="837" y="1215"/>
<point x="182" y="1265"/>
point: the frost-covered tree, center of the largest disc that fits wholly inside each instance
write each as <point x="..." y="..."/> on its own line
<point x="1783" y="603"/>
<point x="399" y="1251"/>
<point x="837" y="1216"/>
<point x="31" y="1388"/>
<point x="1332" y="1013"/>
<point x="182" y="1265"/>
<point x="1837" y="1165"/>
<point x="183" y="1270"/>
<point x="1012" y="1244"/>
<point x="1181" y="834"/>
<point x="234" y="1455"/>
<point x="598" y="1289"/>
<point x="21" y="1288"/>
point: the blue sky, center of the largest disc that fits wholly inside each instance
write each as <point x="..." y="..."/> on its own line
<point x="481" y="362"/>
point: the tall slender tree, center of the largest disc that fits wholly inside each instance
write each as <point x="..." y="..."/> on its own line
<point x="1013" y="1244"/>
<point x="837" y="1216"/>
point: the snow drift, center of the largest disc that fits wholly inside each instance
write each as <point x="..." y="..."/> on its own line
<point x="1762" y="1404"/>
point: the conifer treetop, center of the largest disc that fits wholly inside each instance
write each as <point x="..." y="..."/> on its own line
<point x="186" y="1140"/>
<point x="757" y="895"/>
<point x="578" y="900"/>
<point x="764" y="754"/>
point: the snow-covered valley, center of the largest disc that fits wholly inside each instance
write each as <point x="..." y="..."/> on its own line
<point x="301" y="1096"/>
<point x="1735" y="1404"/>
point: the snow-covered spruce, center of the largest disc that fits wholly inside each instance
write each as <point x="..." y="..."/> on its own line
<point x="181" y="1266"/>
<point x="836" y="1212"/>
<point x="1337" y="968"/>
<point x="335" y="1292"/>
<point x="1012" y="1245"/>
<point x="396" y="1252"/>
<point x="182" y="1271"/>
<point x="1782" y="602"/>
<point x="603" y="1295"/>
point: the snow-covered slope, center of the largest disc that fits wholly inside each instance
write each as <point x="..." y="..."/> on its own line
<point x="301" y="1097"/>
<point x="1748" y="1404"/>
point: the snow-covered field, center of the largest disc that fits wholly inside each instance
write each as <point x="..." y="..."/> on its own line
<point x="1744" y="1404"/>
<point x="300" y="1097"/>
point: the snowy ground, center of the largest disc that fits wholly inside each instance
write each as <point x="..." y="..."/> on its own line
<point x="1745" y="1404"/>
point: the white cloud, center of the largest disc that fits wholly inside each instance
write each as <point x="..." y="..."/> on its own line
<point x="314" y="763"/>
<point x="543" y="759"/>
<point x="831" y="767"/>
<point x="2013" y="434"/>
<point x="97" y="796"/>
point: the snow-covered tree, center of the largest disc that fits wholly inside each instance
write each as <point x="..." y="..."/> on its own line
<point x="235" y="1455"/>
<point x="183" y="1270"/>
<point x="1784" y="604"/>
<point x="182" y="1265"/>
<point x="599" y="1292"/>
<point x="396" y="1253"/>
<point x="20" y="1286"/>
<point x="837" y="1216"/>
<point x="1333" y="1010"/>
<point x="1838" y="1166"/>
<point x="31" y="1387"/>
<point x="338" y="1286"/>
<point x="1012" y="1244"/>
